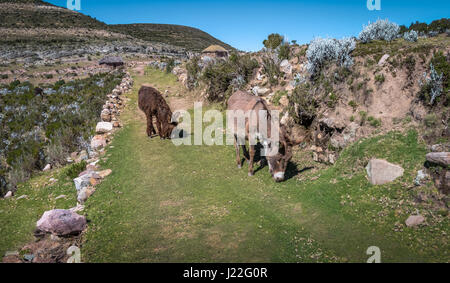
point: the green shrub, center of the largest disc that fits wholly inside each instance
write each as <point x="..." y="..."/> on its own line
<point x="353" y="105"/>
<point x="271" y="68"/>
<point x="278" y="95"/>
<point x="374" y="122"/>
<point x="303" y="105"/>
<point x="380" y="78"/>
<point x="363" y="117"/>
<point x="170" y="65"/>
<point x="284" y="51"/>
<point x="193" y="72"/>
<point x="223" y="77"/>
<point x="431" y="120"/>
<point x="75" y="169"/>
<point x="273" y="41"/>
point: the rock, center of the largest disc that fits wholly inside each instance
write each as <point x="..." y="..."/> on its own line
<point x="105" y="115"/>
<point x="383" y="59"/>
<point x="97" y="142"/>
<point x="12" y="253"/>
<point x="103" y="127"/>
<point x="414" y="220"/>
<point x="440" y="147"/>
<point x="8" y="195"/>
<point x="82" y="181"/>
<point x="286" y="67"/>
<point x="382" y="172"/>
<point x="439" y="158"/>
<point x="84" y="194"/>
<point x="342" y="140"/>
<point x="332" y="158"/>
<point x="421" y="175"/>
<point x="333" y="123"/>
<point x="105" y="173"/>
<point x="61" y="222"/>
<point x="47" y="167"/>
<point x="77" y="208"/>
<point x="260" y="91"/>
<point x="83" y="155"/>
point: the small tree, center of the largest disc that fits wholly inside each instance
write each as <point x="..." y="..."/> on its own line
<point x="273" y="41"/>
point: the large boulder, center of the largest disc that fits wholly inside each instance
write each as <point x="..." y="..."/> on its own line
<point x="439" y="158"/>
<point x="381" y="172"/>
<point x="104" y="127"/>
<point x="61" y="222"/>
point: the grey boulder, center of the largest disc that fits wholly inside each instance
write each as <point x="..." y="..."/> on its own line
<point x="61" y="222"/>
<point x="381" y="172"/>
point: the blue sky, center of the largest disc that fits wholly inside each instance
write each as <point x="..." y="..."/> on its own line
<point x="246" y="23"/>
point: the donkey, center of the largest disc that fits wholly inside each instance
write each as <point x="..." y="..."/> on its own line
<point x="242" y="101"/>
<point x="152" y="104"/>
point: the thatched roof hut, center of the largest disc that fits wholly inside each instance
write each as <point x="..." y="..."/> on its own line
<point x="112" y="61"/>
<point x="215" y="51"/>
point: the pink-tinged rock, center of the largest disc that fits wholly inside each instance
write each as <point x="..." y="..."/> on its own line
<point x="61" y="222"/>
<point x="381" y="172"/>
<point x="98" y="142"/>
<point x="103" y="127"/>
<point x="414" y="220"/>
<point x="383" y="59"/>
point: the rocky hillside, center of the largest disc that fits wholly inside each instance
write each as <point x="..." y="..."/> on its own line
<point x="181" y="36"/>
<point x="32" y="31"/>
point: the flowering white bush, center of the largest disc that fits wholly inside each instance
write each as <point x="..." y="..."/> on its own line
<point x="411" y="36"/>
<point x="379" y="30"/>
<point x="322" y="50"/>
<point x="434" y="82"/>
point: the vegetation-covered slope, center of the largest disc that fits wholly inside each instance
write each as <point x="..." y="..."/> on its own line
<point x="182" y="36"/>
<point x="35" y="20"/>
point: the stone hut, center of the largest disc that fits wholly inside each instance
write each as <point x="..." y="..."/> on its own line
<point x="215" y="51"/>
<point x="112" y="61"/>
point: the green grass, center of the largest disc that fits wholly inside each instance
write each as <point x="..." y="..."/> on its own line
<point x="164" y="203"/>
<point x="190" y="203"/>
<point x="18" y="217"/>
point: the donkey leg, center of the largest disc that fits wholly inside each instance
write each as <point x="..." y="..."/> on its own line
<point x="160" y="132"/>
<point x="245" y="152"/>
<point x="238" y="154"/>
<point x="252" y="157"/>
<point x="150" y="128"/>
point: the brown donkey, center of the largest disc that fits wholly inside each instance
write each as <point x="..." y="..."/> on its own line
<point x="242" y="101"/>
<point x="152" y="104"/>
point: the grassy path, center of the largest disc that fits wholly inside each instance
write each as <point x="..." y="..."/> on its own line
<point x="180" y="204"/>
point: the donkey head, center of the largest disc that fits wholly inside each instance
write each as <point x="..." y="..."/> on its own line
<point x="278" y="162"/>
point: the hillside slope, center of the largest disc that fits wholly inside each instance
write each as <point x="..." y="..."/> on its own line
<point x="35" y="21"/>
<point x="182" y="36"/>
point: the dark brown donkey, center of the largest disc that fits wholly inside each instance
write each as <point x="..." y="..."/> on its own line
<point x="152" y="104"/>
<point x="242" y="101"/>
